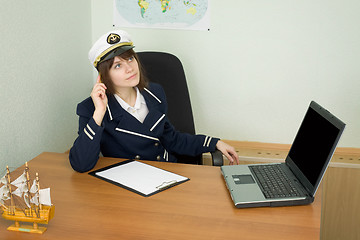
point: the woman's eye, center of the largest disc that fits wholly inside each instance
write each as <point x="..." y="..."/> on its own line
<point x="131" y="59"/>
<point x="117" y="66"/>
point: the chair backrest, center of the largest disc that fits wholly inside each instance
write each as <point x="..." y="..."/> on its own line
<point x="167" y="70"/>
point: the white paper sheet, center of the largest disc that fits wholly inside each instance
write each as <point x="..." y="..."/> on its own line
<point x="141" y="177"/>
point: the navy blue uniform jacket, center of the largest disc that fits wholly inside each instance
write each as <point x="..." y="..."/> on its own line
<point x="122" y="136"/>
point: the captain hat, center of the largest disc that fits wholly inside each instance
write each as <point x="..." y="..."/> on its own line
<point x="110" y="45"/>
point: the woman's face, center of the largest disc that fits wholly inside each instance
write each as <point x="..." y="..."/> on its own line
<point x="124" y="73"/>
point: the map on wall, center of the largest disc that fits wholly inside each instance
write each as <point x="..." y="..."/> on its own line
<point x="170" y="14"/>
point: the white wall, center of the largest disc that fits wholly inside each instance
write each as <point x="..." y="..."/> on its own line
<point x="44" y="74"/>
<point x="252" y="76"/>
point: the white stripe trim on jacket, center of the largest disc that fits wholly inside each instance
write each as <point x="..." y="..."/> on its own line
<point x="88" y="127"/>
<point x="207" y="141"/>
<point x="136" y="134"/>
<point x="88" y="134"/>
<point x="152" y="94"/>
<point x="166" y="155"/>
<point x="108" y="108"/>
<point x="157" y="122"/>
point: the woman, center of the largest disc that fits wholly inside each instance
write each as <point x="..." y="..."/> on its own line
<point x="125" y="116"/>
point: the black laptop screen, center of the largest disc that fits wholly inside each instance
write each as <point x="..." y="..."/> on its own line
<point x="313" y="145"/>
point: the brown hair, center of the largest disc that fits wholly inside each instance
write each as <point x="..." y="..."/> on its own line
<point x="105" y="66"/>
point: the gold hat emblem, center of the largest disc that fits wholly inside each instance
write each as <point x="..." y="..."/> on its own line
<point x="113" y="38"/>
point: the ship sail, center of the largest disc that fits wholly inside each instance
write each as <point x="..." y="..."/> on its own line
<point x="3" y="180"/>
<point x="43" y="197"/>
<point x="33" y="188"/>
<point x="4" y="194"/>
<point x="21" y="180"/>
<point x="4" y="191"/>
<point x="35" y="200"/>
<point x="20" y="190"/>
<point x="20" y="183"/>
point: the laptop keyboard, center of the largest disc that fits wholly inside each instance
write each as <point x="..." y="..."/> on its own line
<point x="274" y="182"/>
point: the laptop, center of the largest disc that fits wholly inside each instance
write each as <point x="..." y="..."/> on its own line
<point x="295" y="181"/>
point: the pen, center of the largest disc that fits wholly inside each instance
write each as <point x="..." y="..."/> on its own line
<point x="166" y="185"/>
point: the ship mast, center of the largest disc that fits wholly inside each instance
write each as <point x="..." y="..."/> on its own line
<point x="28" y="186"/>
<point x="38" y="190"/>
<point x="11" y="208"/>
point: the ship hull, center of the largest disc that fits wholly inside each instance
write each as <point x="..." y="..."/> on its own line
<point x="46" y="213"/>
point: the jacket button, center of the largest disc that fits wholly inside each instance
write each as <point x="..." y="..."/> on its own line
<point x="137" y="157"/>
<point x="156" y="144"/>
<point x="158" y="158"/>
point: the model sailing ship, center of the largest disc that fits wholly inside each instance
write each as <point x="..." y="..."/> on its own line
<point x="23" y="201"/>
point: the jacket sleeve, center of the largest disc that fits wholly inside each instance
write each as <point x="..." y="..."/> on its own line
<point x="185" y="143"/>
<point x="84" y="154"/>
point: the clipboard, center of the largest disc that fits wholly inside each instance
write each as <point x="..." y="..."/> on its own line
<point x="138" y="177"/>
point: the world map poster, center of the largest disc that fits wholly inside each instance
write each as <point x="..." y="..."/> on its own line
<point x="169" y="14"/>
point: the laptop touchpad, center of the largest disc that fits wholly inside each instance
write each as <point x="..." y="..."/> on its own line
<point x="243" y="179"/>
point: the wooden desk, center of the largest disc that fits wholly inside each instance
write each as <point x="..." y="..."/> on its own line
<point x="89" y="208"/>
<point x="340" y="203"/>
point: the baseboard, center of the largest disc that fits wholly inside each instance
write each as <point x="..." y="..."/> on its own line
<point x="258" y="152"/>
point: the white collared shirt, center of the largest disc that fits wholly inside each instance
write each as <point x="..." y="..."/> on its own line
<point x="140" y="109"/>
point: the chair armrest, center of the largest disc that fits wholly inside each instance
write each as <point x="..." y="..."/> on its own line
<point x="217" y="158"/>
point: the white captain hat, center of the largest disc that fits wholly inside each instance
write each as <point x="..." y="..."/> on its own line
<point x="110" y="45"/>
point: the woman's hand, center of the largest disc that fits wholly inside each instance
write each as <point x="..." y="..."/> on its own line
<point x="228" y="151"/>
<point x="98" y="95"/>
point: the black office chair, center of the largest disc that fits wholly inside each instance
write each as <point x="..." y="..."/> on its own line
<point x="167" y="70"/>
